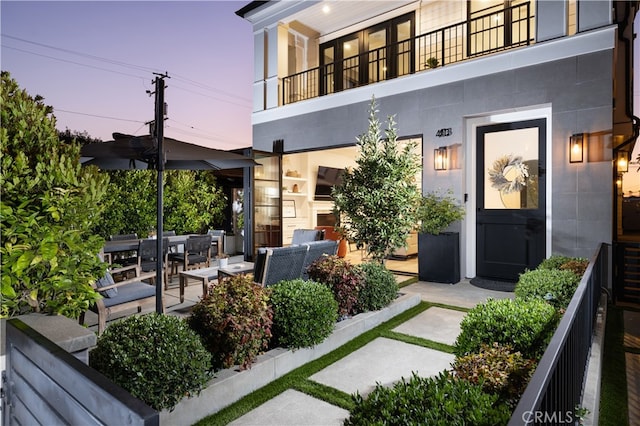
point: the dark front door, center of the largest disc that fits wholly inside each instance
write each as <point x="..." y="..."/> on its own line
<point x="511" y="198"/>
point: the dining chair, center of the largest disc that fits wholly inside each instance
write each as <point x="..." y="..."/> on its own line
<point x="197" y="253"/>
<point x="217" y="240"/>
<point x="148" y="259"/>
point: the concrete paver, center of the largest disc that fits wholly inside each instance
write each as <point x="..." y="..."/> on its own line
<point x="293" y="408"/>
<point x="436" y="324"/>
<point x="383" y="361"/>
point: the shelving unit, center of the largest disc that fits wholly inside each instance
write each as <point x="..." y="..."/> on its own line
<point x="295" y="188"/>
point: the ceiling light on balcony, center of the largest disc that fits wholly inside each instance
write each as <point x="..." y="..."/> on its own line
<point x="326" y="9"/>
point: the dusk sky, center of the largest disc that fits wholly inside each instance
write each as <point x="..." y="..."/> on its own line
<point x="94" y="61"/>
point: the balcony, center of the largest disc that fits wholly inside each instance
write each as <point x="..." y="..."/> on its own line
<point x="485" y="33"/>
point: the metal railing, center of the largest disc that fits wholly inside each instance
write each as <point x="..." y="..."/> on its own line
<point x="482" y="35"/>
<point x="555" y="390"/>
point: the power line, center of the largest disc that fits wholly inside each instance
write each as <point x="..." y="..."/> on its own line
<point x="71" y="62"/>
<point x="97" y="116"/>
<point x="119" y="63"/>
<point x="173" y="86"/>
<point x="85" y="55"/>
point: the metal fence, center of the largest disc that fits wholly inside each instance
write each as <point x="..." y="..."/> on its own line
<point x="555" y="390"/>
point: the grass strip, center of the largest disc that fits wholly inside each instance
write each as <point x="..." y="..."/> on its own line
<point x="418" y="341"/>
<point x="613" y="389"/>
<point x="295" y="379"/>
<point x="325" y="393"/>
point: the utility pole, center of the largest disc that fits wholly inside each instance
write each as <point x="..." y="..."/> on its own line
<point x="160" y="160"/>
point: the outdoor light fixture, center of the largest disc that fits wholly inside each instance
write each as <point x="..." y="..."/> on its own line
<point x="440" y="158"/>
<point x="622" y="162"/>
<point x="576" y="148"/>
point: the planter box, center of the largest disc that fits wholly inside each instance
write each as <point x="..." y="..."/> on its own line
<point x="439" y="257"/>
<point x="230" y="385"/>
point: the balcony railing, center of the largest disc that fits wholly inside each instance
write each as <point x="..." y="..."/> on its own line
<point x="482" y="35"/>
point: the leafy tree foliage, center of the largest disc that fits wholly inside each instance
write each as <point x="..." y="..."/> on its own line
<point x="193" y="202"/>
<point x="379" y="197"/>
<point x="49" y="205"/>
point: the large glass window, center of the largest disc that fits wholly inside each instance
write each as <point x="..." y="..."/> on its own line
<point x="375" y="54"/>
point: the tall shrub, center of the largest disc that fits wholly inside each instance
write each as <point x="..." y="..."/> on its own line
<point x="377" y="199"/>
<point x="553" y="285"/>
<point x="49" y="206"/>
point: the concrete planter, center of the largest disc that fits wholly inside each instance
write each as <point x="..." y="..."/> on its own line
<point x="230" y="385"/>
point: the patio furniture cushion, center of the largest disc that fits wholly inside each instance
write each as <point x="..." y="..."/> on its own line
<point x="130" y="292"/>
<point x="106" y="280"/>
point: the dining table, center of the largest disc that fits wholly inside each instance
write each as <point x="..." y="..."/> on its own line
<point x="132" y="245"/>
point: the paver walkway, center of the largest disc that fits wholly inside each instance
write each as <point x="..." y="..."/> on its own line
<point x="382" y="360"/>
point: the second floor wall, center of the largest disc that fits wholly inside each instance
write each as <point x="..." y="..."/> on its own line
<point x="309" y="49"/>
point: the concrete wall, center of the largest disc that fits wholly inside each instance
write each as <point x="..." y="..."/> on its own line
<point x="577" y="89"/>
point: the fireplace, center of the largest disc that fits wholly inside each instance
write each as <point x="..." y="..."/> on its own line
<point x="325" y="219"/>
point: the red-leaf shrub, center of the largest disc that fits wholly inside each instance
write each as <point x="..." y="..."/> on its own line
<point x="344" y="280"/>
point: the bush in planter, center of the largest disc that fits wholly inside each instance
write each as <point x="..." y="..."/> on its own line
<point x="553" y="285"/>
<point x="499" y="369"/>
<point x="344" y="280"/>
<point x="437" y="211"/>
<point x="156" y="358"/>
<point x="558" y="261"/>
<point x="527" y="325"/>
<point x="304" y="313"/>
<point x="380" y="286"/>
<point x="441" y="400"/>
<point x="234" y="321"/>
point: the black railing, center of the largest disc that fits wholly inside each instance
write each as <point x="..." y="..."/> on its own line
<point x="481" y="35"/>
<point x="555" y="390"/>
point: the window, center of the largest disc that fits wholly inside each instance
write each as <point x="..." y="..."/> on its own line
<point x="375" y="54"/>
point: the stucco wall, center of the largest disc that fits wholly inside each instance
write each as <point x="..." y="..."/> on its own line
<point x="579" y="93"/>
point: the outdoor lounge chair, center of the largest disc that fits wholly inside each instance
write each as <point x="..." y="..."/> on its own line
<point x="197" y="253"/>
<point x="301" y="236"/>
<point x="279" y="263"/>
<point x="123" y="295"/>
<point x="317" y="249"/>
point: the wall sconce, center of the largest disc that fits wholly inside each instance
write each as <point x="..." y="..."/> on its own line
<point x="619" y="181"/>
<point x="440" y="158"/>
<point x="576" y="148"/>
<point x="622" y="162"/>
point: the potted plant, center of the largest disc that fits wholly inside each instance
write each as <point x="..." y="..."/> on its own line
<point x="223" y="260"/>
<point x="439" y="251"/>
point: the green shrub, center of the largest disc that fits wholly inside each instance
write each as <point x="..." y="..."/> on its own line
<point x="304" y="313"/>
<point x="157" y="358"/>
<point x="48" y="207"/>
<point x="380" y="286"/>
<point x="527" y="325"/>
<point x="499" y="369"/>
<point x="234" y="321"/>
<point x="441" y="400"/>
<point x="344" y="280"/>
<point x="553" y="285"/>
<point x="553" y="262"/>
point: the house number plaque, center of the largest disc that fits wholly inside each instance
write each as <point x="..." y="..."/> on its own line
<point x="444" y="132"/>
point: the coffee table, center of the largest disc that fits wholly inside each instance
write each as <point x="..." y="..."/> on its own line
<point x="235" y="269"/>
<point x="203" y="274"/>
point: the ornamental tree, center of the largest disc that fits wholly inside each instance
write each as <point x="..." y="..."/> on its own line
<point x="377" y="199"/>
<point x="48" y="206"/>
